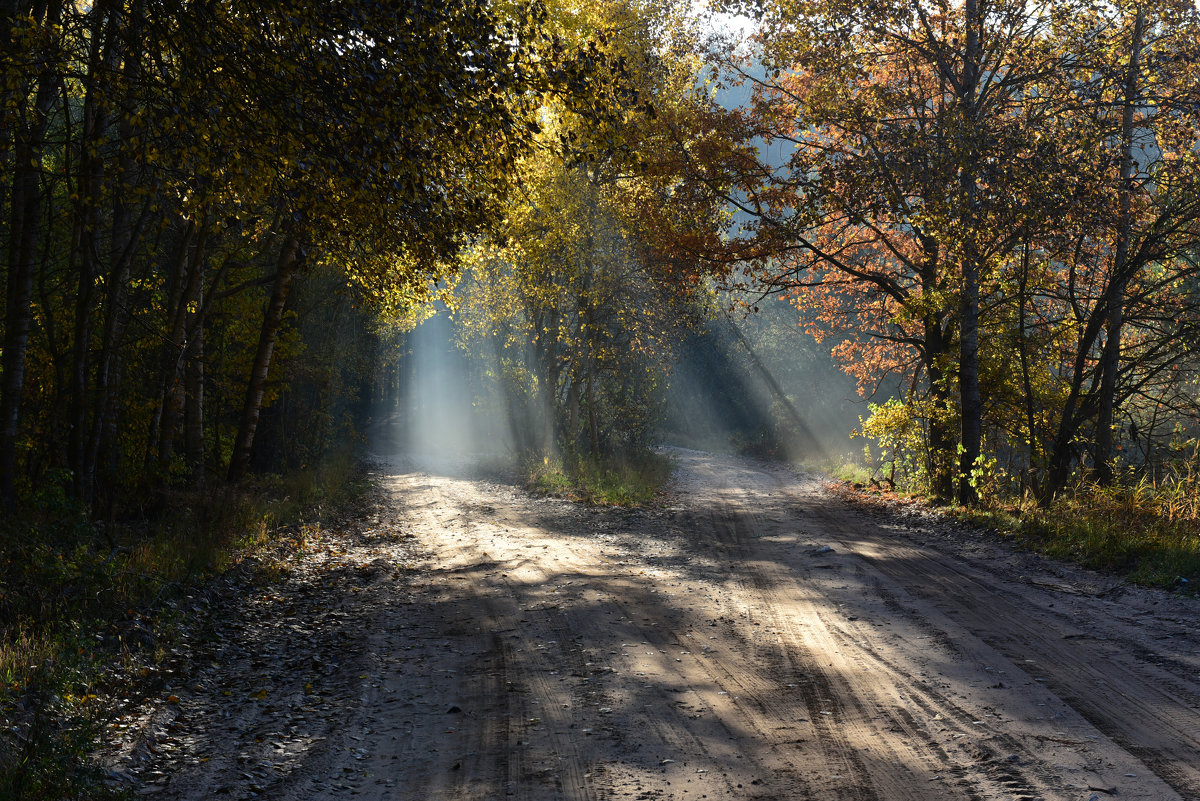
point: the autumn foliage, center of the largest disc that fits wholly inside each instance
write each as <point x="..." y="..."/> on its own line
<point x="175" y="171"/>
<point x="996" y="203"/>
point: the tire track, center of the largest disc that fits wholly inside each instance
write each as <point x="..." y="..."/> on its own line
<point x="758" y="641"/>
<point x="1146" y="709"/>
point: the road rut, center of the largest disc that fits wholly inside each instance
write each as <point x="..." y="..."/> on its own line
<point x="757" y="638"/>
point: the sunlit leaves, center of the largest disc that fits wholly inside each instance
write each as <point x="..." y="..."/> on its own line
<point x="913" y="156"/>
<point x="585" y="288"/>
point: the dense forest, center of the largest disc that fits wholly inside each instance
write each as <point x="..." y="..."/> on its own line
<point x="998" y="201"/>
<point x="996" y="205"/>
<point x="224" y="224"/>
<point x="174" y="172"/>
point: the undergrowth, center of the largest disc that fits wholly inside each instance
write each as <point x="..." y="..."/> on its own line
<point x="1147" y="531"/>
<point x="610" y="481"/>
<point x="1144" y="525"/>
<point x="850" y="471"/>
<point x="78" y="600"/>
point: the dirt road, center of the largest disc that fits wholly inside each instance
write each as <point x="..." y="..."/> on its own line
<point x="757" y="639"/>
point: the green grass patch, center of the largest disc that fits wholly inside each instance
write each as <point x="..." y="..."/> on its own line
<point x="847" y="470"/>
<point x="611" y="481"/>
<point x="81" y="604"/>
<point x="1127" y="530"/>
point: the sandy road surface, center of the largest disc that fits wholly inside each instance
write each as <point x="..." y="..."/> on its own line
<point x="759" y="639"/>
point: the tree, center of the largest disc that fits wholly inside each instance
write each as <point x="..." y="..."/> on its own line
<point x="927" y="147"/>
<point x="31" y="64"/>
<point x="579" y="304"/>
<point x="586" y="289"/>
<point x="915" y="164"/>
<point x="174" y="160"/>
<point x="1138" y="79"/>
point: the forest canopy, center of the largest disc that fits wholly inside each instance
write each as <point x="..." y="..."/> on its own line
<point x="217" y="215"/>
<point x="172" y="168"/>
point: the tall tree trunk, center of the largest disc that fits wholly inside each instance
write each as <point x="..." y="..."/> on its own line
<point x="125" y="234"/>
<point x="104" y="493"/>
<point x="193" y="428"/>
<point x="934" y="350"/>
<point x="1023" y="349"/>
<point x="573" y="412"/>
<point x="1110" y="360"/>
<point x="289" y="263"/>
<point x="25" y="210"/>
<point x="188" y="281"/>
<point x="941" y="433"/>
<point x="26" y="201"/>
<point x="168" y="356"/>
<point x="550" y="411"/>
<point x="87" y="244"/>
<point x="1074" y="412"/>
<point x="116" y="320"/>
<point x="516" y="405"/>
<point x="546" y="347"/>
<point x="971" y="403"/>
<point x="593" y="425"/>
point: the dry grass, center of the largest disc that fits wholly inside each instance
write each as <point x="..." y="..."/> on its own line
<point x="1145" y="529"/>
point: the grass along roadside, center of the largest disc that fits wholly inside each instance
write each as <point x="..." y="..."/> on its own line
<point x="87" y="612"/>
<point x="611" y="481"/>
<point x="1147" y="532"/>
